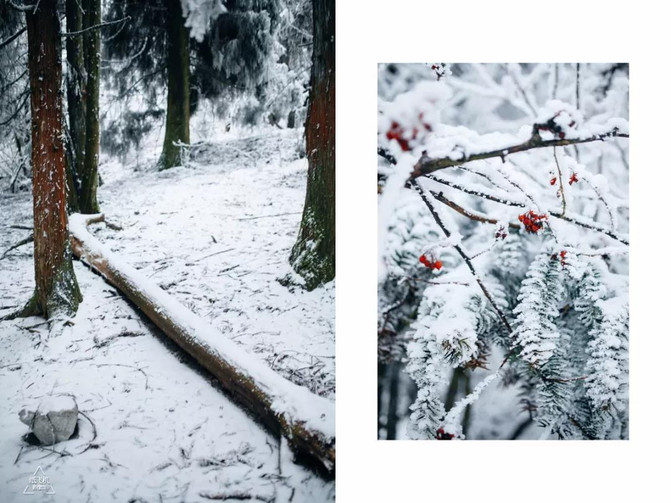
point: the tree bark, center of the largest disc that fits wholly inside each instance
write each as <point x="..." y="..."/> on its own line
<point x="177" y="63"/>
<point x="313" y="255"/>
<point x="285" y="408"/>
<point x="88" y="201"/>
<point x="56" y="288"/>
<point x="76" y="94"/>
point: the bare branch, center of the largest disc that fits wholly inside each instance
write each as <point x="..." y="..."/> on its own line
<point x="469" y="214"/>
<point x="95" y="27"/>
<point x="561" y="182"/>
<point x="12" y="37"/>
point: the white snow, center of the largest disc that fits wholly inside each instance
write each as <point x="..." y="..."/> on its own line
<point x="163" y="426"/>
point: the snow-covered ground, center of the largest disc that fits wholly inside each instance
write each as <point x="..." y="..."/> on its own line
<point x="216" y="235"/>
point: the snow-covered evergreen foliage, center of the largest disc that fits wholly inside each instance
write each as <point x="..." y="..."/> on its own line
<point x="521" y="180"/>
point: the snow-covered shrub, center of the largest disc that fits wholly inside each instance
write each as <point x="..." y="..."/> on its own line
<point x="503" y="231"/>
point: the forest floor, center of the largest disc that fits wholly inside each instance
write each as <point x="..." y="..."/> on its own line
<point x="217" y="236"/>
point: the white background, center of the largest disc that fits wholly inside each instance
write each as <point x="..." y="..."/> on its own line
<point x="520" y="31"/>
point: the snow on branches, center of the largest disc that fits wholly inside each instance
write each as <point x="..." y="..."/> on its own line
<point x="529" y="187"/>
<point x="535" y="329"/>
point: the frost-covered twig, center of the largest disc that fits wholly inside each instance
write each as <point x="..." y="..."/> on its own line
<point x="574" y="219"/>
<point x="478" y="217"/>
<point x="426" y="165"/>
<point x="461" y="252"/>
<point x="95" y="27"/>
<point x="561" y="182"/>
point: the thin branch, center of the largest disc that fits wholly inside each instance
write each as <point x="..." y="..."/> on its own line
<point x="574" y="219"/>
<point x="425" y="165"/>
<point x="23" y="8"/>
<point x="27" y="240"/>
<point x="10" y="84"/>
<point x="415" y="278"/>
<point x="16" y="112"/>
<point x="95" y="27"/>
<point x="556" y="82"/>
<point x="561" y="182"/>
<point x="469" y="214"/>
<point x="577" y="86"/>
<point x="480" y="193"/>
<point x="12" y="37"/>
<point x="414" y="184"/>
<point x="521" y="89"/>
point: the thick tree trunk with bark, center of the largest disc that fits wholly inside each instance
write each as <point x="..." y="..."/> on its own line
<point x="177" y="62"/>
<point x="313" y="255"/>
<point x="285" y="408"/>
<point x="76" y="93"/>
<point x="88" y="202"/>
<point x="56" y="286"/>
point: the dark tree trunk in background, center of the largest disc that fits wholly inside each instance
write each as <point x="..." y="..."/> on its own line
<point x="56" y="286"/>
<point x="76" y="92"/>
<point x="177" y="121"/>
<point x="313" y="255"/>
<point x="392" y="411"/>
<point x="88" y="202"/>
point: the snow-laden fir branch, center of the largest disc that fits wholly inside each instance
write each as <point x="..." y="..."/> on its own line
<point x="535" y="333"/>
<point x="452" y="423"/>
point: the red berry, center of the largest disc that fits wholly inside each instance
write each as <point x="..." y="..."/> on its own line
<point x="573" y="179"/>
<point x="553" y="181"/>
<point x="422" y="259"/>
<point x="438" y="264"/>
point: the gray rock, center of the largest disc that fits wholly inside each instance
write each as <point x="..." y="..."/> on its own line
<point x="54" y="420"/>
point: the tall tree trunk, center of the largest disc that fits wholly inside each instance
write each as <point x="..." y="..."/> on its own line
<point x="177" y="62"/>
<point x="89" y="194"/>
<point x="56" y="288"/>
<point x="313" y="255"/>
<point x="76" y="93"/>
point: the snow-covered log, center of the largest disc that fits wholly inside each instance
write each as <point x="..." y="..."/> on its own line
<point x="305" y="419"/>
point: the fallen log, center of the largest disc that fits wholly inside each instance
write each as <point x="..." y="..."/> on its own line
<point x="306" y="420"/>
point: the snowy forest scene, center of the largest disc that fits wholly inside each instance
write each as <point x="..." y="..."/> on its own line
<point x="167" y="250"/>
<point x="503" y="251"/>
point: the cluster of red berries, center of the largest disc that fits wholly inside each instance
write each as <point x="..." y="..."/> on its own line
<point x="562" y="256"/>
<point x="532" y="221"/>
<point x="442" y="435"/>
<point x="571" y="181"/>
<point x="431" y="264"/>
<point x="396" y="132"/>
